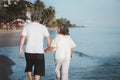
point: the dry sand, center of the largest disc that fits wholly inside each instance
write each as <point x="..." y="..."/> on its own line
<point x="9" y="38"/>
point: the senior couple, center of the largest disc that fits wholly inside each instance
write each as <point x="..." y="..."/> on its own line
<point x="34" y="33"/>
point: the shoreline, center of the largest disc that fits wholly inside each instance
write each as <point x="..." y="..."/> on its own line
<point x="11" y="37"/>
<point x="8" y="38"/>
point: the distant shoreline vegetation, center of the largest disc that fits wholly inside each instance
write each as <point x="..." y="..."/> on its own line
<point x="81" y="26"/>
<point x="11" y="10"/>
<point x="65" y="21"/>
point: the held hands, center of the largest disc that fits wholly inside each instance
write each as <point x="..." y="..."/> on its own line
<point x="46" y="50"/>
<point x="49" y="49"/>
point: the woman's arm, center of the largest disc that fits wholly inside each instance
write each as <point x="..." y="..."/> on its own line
<point x="71" y="52"/>
<point x="49" y="49"/>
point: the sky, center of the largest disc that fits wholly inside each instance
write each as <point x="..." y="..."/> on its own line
<point x="87" y="12"/>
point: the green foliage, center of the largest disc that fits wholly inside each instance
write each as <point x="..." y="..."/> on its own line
<point x="65" y="21"/>
<point x="18" y="9"/>
<point x="48" y="14"/>
<point x="39" y="6"/>
<point x="15" y="10"/>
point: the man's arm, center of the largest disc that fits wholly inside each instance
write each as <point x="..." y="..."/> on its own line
<point x="48" y="41"/>
<point x="22" y="41"/>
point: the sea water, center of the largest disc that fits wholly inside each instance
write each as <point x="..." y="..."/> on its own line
<point x="96" y="56"/>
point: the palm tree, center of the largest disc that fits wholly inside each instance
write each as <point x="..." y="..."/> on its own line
<point x="39" y="6"/>
<point x="30" y="6"/>
<point x="64" y="21"/>
<point x="48" y="16"/>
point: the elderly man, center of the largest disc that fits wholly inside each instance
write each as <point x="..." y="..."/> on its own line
<point x="34" y="34"/>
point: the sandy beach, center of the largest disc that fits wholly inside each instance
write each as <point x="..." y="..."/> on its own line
<point x="9" y="38"/>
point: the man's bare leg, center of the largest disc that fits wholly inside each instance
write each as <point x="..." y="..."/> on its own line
<point x="29" y="74"/>
<point x="58" y="78"/>
<point x="37" y="77"/>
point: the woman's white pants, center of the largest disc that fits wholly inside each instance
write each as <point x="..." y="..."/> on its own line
<point x="62" y="66"/>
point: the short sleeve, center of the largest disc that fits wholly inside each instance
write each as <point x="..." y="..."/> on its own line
<point x="46" y="33"/>
<point x="54" y="42"/>
<point x="72" y="43"/>
<point x="24" y="31"/>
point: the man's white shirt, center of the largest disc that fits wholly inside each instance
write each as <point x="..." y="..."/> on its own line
<point x="35" y="34"/>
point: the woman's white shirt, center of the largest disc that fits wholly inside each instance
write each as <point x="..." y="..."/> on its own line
<point x="63" y="45"/>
